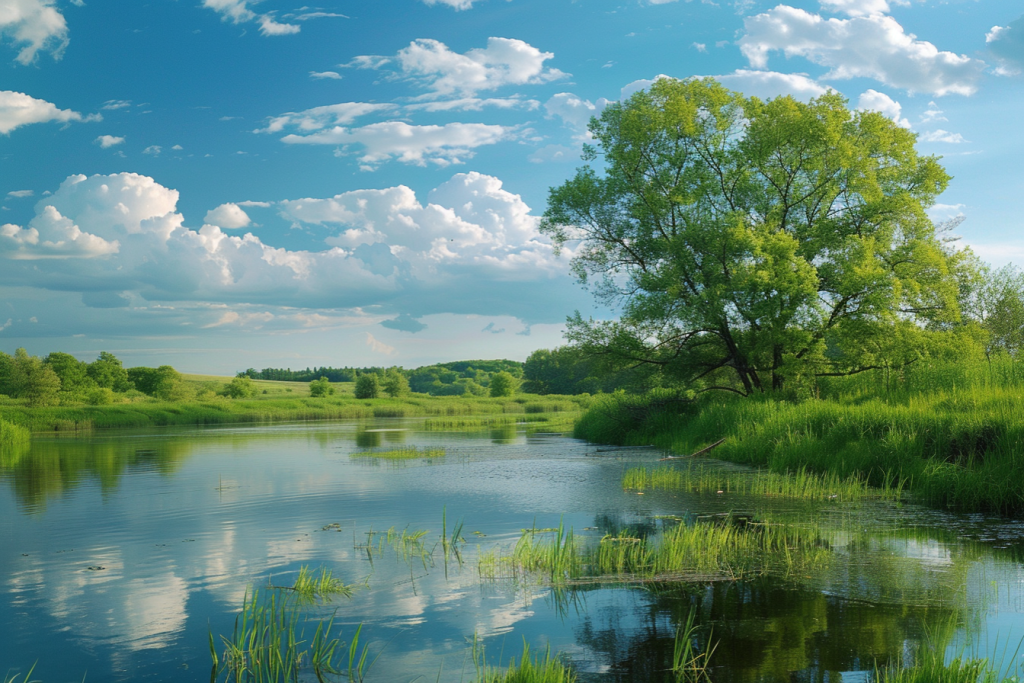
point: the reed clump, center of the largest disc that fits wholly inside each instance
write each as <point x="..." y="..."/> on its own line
<point x="953" y="433"/>
<point x="725" y="549"/>
<point x="541" y="668"/>
<point x="13" y="436"/>
<point x="801" y="484"/>
<point x="317" y="585"/>
<point x="406" y="453"/>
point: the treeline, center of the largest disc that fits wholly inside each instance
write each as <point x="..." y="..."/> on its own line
<point x="60" y="378"/>
<point x="458" y="378"/>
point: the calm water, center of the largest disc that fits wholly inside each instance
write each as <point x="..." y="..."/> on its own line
<point x="119" y="553"/>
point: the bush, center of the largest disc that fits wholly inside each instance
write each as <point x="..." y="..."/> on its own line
<point x="240" y="387"/>
<point x="503" y="384"/>
<point x="319" y="388"/>
<point x="100" y="396"/>
<point x="367" y="386"/>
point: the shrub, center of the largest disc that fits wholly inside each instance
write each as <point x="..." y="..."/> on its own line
<point x="367" y="386"/>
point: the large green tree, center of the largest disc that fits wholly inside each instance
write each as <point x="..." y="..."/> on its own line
<point x="751" y="242"/>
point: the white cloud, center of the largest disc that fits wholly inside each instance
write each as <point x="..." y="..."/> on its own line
<point x="177" y="148"/>
<point x="318" y="118"/>
<point x="872" y="100"/>
<point x="18" y="109"/>
<point x="238" y="12"/>
<point x="1007" y="45"/>
<point x="473" y="104"/>
<point x="505" y="61"/>
<point x="378" y="346"/>
<point x="20" y="193"/>
<point x="763" y="84"/>
<point x="942" y="136"/>
<point x="229" y="216"/>
<point x="874" y="46"/>
<point x="35" y="25"/>
<point x="699" y="47"/>
<point x="113" y="105"/>
<point x="108" y="141"/>
<point x="473" y="247"/>
<point x="451" y="143"/>
<point x="933" y="113"/>
<point x="154" y="150"/>
<point x="455" y="4"/>
<point x="325" y="74"/>
<point x="575" y="111"/>
<point x="994" y="34"/>
<point x="856" y="8"/>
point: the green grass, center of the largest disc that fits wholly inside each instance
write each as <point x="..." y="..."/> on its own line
<point x="953" y="434"/>
<point x="279" y="408"/>
<point x="800" y="484"/>
<point x="528" y="669"/>
<point x="13" y="436"/>
<point x="703" y="551"/>
<point x="319" y="585"/>
<point x="20" y="678"/>
<point x="406" y="453"/>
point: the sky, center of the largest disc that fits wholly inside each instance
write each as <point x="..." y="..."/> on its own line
<point x="224" y="184"/>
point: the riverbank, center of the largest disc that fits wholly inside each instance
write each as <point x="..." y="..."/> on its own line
<point x="953" y="433"/>
<point x="221" y="410"/>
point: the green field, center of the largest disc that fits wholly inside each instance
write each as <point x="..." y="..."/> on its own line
<point x="267" y="388"/>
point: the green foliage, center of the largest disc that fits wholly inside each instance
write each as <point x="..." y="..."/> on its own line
<point x="240" y="387"/>
<point x="107" y="371"/>
<point x="73" y="373"/>
<point x="6" y="368"/>
<point x="367" y="386"/>
<point x="528" y="669"/>
<point x="953" y="430"/>
<point x="503" y="384"/>
<point x="395" y="383"/>
<point x="754" y="244"/>
<point x="12" y="435"/>
<point x="321" y="387"/>
<point x="33" y="380"/>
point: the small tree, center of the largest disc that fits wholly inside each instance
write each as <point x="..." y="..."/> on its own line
<point x="367" y="386"/>
<point x="319" y="388"/>
<point x="240" y="387"/>
<point x="107" y="371"/>
<point x="73" y="373"/>
<point x="503" y="384"/>
<point x="395" y="383"/>
<point x="31" y="379"/>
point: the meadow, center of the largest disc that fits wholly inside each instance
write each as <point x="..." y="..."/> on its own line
<point x="952" y="433"/>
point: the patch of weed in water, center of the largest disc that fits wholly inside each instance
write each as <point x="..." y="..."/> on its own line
<point x="321" y="584"/>
<point x="408" y="453"/>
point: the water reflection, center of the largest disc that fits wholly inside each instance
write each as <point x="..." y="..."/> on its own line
<point x="124" y="552"/>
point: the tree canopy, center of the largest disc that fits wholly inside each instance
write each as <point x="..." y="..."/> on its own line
<point x="749" y="243"/>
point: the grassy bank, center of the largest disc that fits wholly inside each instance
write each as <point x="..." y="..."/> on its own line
<point x="953" y="433"/>
<point x="224" y="410"/>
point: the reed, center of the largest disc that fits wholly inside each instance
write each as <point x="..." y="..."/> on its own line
<point x="801" y="484"/>
<point x="407" y="453"/>
<point x="542" y="668"/>
<point x="953" y="435"/>
<point x="13" y="436"/>
<point x="726" y="549"/>
<point x="24" y="678"/>
<point x="310" y="585"/>
<point x="690" y="664"/>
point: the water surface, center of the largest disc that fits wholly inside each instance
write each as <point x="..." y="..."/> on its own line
<point x="121" y="551"/>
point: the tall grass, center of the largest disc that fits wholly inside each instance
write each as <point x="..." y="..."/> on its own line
<point x="702" y="551"/>
<point x="528" y="669"/>
<point x="12" y="435"/>
<point x="954" y="434"/>
<point x="800" y="484"/>
<point x="310" y="585"/>
<point x="224" y="410"/>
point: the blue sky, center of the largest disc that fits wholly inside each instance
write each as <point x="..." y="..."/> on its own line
<point x="219" y="184"/>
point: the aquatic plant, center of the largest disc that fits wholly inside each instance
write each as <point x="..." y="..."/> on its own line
<point x="528" y="669"/>
<point x="724" y="549"/>
<point x="25" y="678"/>
<point x="321" y="584"/>
<point x="405" y="453"/>
<point x="689" y="663"/>
<point x="800" y="484"/>
<point x="12" y="435"/>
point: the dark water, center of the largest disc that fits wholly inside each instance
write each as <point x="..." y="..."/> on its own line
<point x="119" y="553"/>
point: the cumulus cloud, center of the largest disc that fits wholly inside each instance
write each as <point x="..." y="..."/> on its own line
<point x="942" y="136"/>
<point x="444" y="73"/>
<point x="18" y="109"/>
<point x="856" y="8"/>
<point x="229" y="216"/>
<point x="873" y="46"/>
<point x="763" y="84"/>
<point x="472" y="247"/>
<point x="333" y="75"/>
<point x="575" y="111"/>
<point x="238" y="12"/>
<point x="108" y="141"/>
<point x="444" y="145"/>
<point x="872" y="100"/>
<point x="1007" y="45"/>
<point x="33" y="25"/>
<point x="454" y="4"/>
<point x="319" y="118"/>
